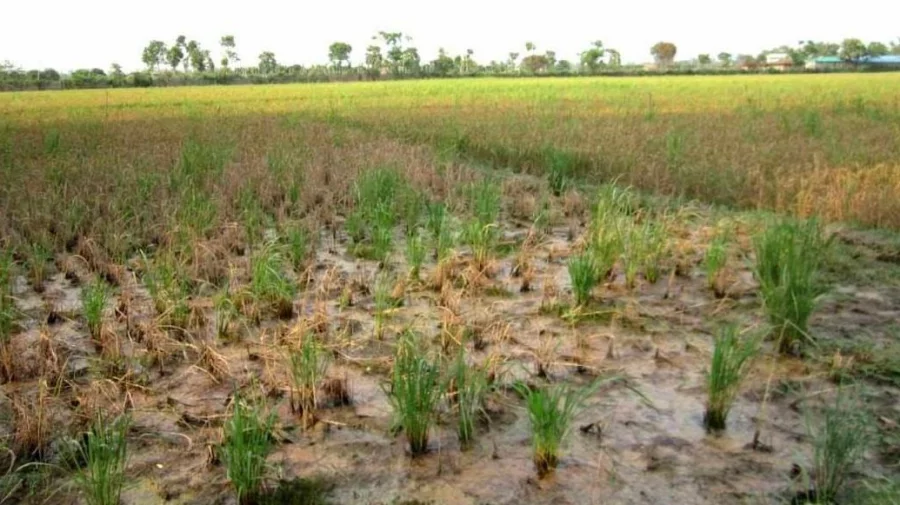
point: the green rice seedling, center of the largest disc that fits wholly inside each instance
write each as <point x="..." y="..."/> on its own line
<point x="297" y="246"/>
<point x="482" y="238"/>
<point x="485" y="198"/>
<point x="715" y="259"/>
<point x="308" y="368"/>
<point x="253" y="215"/>
<point x="470" y="386"/>
<point x="788" y="257"/>
<point x="560" y="170"/>
<point x="632" y="251"/>
<point x="269" y="285"/>
<point x="551" y="411"/>
<point x="411" y="204"/>
<point x="414" y="392"/>
<point x="841" y="434"/>
<point x="384" y="302"/>
<point x="583" y="274"/>
<point x="104" y="454"/>
<point x="605" y="247"/>
<point x="225" y="312"/>
<point x="199" y="163"/>
<point x="654" y="248"/>
<point x="882" y="491"/>
<point x="382" y="233"/>
<point x="435" y="218"/>
<point x="812" y="123"/>
<point x="196" y="215"/>
<point x="94" y="298"/>
<point x="612" y="202"/>
<point x="481" y="232"/>
<point x="376" y="194"/>
<point x="39" y="256"/>
<point x="415" y="254"/>
<point x="730" y="364"/>
<point x="540" y="218"/>
<point x="438" y="224"/>
<point x="169" y="290"/>
<point x="7" y="303"/>
<point x="52" y="141"/>
<point x="247" y="442"/>
<point x="675" y="149"/>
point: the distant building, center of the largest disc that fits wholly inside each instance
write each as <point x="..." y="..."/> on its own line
<point x="779" y="61"/>
<point x="886" y="61"/>
<point x="826" y="63"/>
<point x="871" y="62"/>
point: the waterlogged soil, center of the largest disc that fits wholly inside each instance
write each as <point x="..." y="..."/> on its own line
<point x="645" y="443"/>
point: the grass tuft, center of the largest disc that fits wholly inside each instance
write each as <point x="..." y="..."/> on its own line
<point x="551" y="411"/>
<point x="104" y="453"/>
<point x="583" y="274"/>
<point x="247" y="442"/>
<point x="94" y="298"/>
<point x="269" y="284"/>
<point x="470" y="385"/>
<point x="414" y="392"/>
<point x="730" y="364"/>
<point x="788" y="256"/>
<point x="840" y="435"/>
<point x="309" y="366"/>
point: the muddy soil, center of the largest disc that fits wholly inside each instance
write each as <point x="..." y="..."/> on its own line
<point x="623" y="448"/>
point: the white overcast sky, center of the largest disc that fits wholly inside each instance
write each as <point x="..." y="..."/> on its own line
<point x="69" y="34"/>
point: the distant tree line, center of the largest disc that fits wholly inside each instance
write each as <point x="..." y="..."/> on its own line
<point x="391" y="55"/>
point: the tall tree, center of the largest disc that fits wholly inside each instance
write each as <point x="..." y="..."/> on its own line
<point x="551" y="58"/>
<point x="374" y="59"/>
<point x="338" y="53"/>
<point x="208" y="61"/>
<point x="513" y="57"/>
<point x="704" y="59"/>
<point x="592" y="58"/>
<point x="468" y="60"/>
<point x="410" y="61"/>
<point x="812" y="49"/>
<point x="535" y="63"/>
<point x="615" y="57"/>
<point x="443" y="65"/>
<point x="852" y="50"/>
<point x="393" y="42"/>
<point x="724" y="58"/>
<point x="877" y="49"/>
<point x="228" y="45"/>
<point x="154" y="54"/>
<point x="174" y="56"/>
<point x="181" y="42"/>
<point x="267" y="63"/>
<point x="196" y="56"/>
<point x="664" y="53"/>
<point x="530" y="47"/>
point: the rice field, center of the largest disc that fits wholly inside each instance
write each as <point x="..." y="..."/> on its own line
<point x="580" y="290"/>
